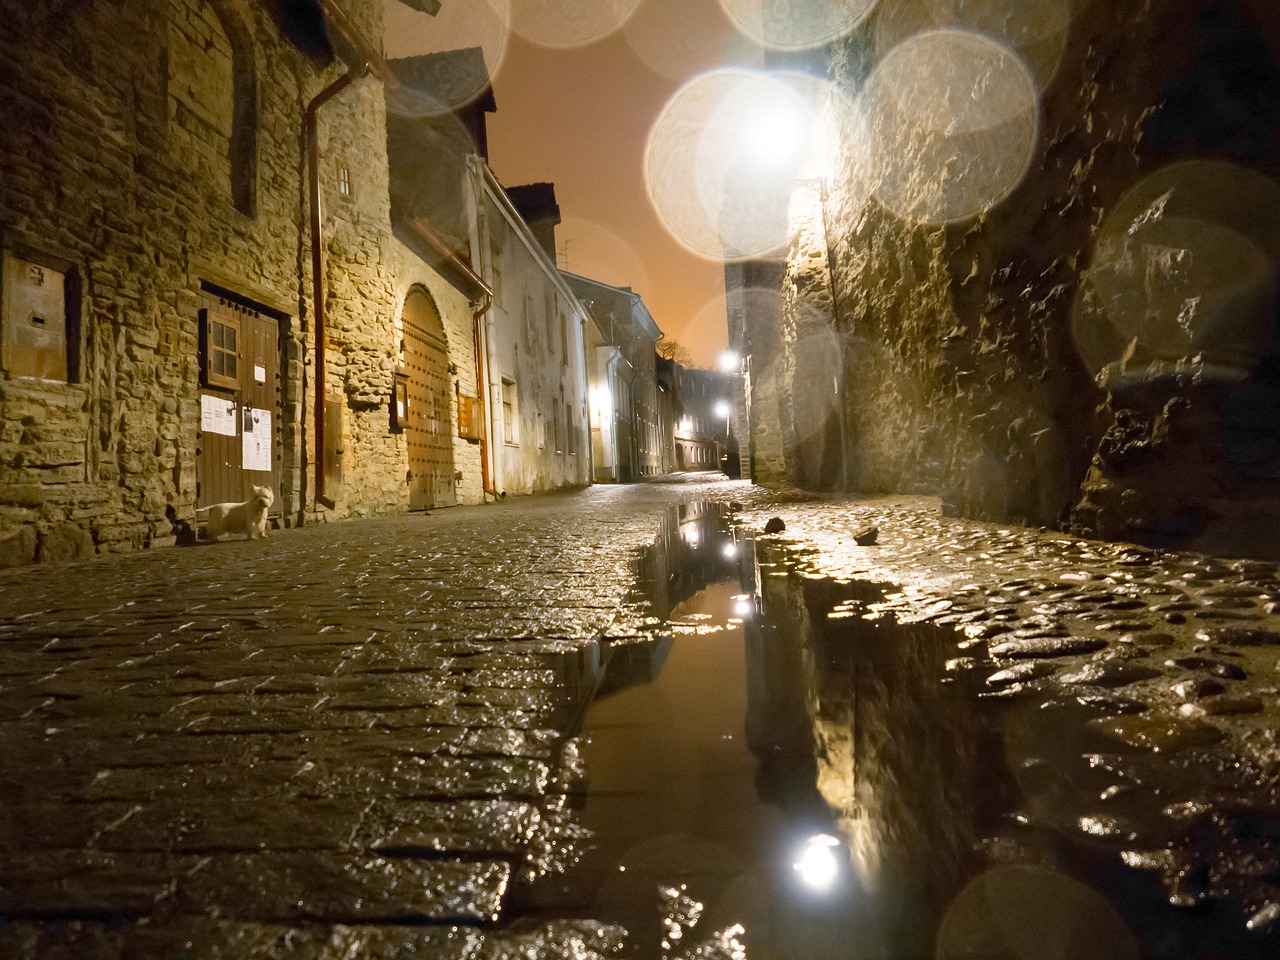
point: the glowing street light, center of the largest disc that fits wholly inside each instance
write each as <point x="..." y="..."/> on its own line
<point x="730" y="361"/>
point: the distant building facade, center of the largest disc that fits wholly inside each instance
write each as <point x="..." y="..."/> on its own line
<point x="704" y="419"/>
<point x="626" y="440"/>
<point x="534" y="335"/>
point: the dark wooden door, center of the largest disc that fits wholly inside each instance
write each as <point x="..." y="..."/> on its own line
<point x="238" y="443"/>
<point x="428" y="431"/>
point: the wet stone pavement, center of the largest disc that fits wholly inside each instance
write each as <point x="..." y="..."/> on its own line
<point x="363" y="739"/>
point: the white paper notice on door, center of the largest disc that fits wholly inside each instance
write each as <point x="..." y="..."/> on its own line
<point x="217" y="415"/>
<point x="257" y="441"/>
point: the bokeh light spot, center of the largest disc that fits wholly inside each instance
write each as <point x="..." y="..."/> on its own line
<point x="1183" y="278"/>
<point x="1014" y="911"/>
<point x="1036" y="29"/>
<point x="705" y="38"/>
<point x="485" y="24"/>
<point x="714" y="190"/>
<point x="590" y="249"/>
<point x="953" y="118"/>
<point x="564" y="24"/>
<point x="797" y="24"/>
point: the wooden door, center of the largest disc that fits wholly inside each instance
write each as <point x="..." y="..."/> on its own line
<point x="239" y="441"/>
<point x="428" y="431"/>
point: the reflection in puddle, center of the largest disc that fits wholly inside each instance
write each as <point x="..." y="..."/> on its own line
<point x="784" y="774"/>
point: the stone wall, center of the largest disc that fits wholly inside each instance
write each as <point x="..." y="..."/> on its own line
<point x="104" y="176"/>
<point x="972" y="365"/>
<point x="152" y="155"/>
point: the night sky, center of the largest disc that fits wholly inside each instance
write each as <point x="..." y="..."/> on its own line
<point x="579" y="117"/>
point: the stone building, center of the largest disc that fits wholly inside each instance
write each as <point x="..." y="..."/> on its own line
<point x="1061" y="313"/>
<point x="159" y="323"/>
<point x="534" y="341"/>
<point x="626" y="439"/>
<point x="521" y="386"/>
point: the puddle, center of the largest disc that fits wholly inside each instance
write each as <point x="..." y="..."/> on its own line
<point x="783" y="773"/>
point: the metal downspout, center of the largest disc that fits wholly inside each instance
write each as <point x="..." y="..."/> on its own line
<point x="317" y="264"/>
<point x="481" y="347"/>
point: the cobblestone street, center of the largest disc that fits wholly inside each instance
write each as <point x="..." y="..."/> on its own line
<point x="344" y="724"/>
<point x="351" y="740"/>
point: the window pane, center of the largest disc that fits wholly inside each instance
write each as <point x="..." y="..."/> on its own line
<point x="231" y="338"/>
<point x="217" y="334"/>
<point x="231" y="366"/>
<point x="215" y="363"/>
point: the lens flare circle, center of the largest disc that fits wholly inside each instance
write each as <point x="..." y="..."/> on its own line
<point x="590" y="249"/>
<point x="953" y="119"/>
<point x="1185" y="277"/>
<point x="716" y="193"/>
<point x="1036" y="29"/>
<point x="566" y="24"/>
<point x="796" y="24"/>
<point x="705" y="40"/>
<point x="466" y="45"/>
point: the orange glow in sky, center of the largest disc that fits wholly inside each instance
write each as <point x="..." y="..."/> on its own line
<point x="578" y="117"/>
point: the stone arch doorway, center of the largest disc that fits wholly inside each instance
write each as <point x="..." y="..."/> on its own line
<point x="428" y="432"/>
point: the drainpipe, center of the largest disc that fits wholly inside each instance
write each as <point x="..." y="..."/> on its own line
<point x="424" y="230"/>
<point x="477" y="334"/>
<point x="317" y="262"/>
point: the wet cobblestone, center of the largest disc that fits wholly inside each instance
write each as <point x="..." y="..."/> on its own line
<point x="1172" y="656"/>
<point x="258" y="749"/>
<point x="313" y="745"/>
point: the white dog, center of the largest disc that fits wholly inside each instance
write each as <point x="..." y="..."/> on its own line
<point x="248" y="518"/>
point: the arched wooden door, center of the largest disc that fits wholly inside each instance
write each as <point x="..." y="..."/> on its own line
<point x="428" y="431"/>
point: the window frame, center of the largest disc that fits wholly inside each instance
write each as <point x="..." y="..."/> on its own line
<point x="510" y="413"/>
<point x="211" y="318"/>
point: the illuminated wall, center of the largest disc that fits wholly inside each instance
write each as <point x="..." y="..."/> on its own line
<point x="1046" y="257"/>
